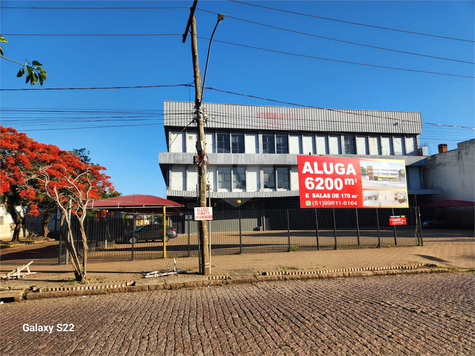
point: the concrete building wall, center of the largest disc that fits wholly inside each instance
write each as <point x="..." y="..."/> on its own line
<point x="33" y="224"/>
<point x="349" y="133"/>
<point x="453" y="171"/>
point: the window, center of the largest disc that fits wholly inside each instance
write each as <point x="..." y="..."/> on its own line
<point x="237" y="141"/>
<point x="350" y="145"/>
<point x="239" y="178"/>
<point x="282" y="143"/>
<point x="269" y="181"/>
<point x="224" y="178"/>
<point x="387" y="146"/>
<point x="282" y="178"/>
<point x="223" y="142"/>
<point x="229" y="143"/>
<point x="268" y="144"/>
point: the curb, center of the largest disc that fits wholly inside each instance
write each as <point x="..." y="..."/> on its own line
<point x="213" y="281"/>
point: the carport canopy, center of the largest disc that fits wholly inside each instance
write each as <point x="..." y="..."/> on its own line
<point x="135" y="202"/>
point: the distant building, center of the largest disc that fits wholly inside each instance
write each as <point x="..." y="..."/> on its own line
<point x="454" y="172"/>
<point x="252" y="150"/>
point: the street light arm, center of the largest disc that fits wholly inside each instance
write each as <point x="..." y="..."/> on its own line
<point x="220" y="18"/>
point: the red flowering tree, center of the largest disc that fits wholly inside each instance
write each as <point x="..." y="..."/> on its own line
<point x="46" y="172"/>
<point x="17" y="174"/>
<point x="69" y="181"/>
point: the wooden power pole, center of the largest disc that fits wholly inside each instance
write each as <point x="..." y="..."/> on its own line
<point x="205" y="266"/>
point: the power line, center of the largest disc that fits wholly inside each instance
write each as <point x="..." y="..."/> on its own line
<point x="446" y="125"/>
<point x="338" y="60"/>
<point x="240" y="2"/>
<point x="354" y="23"/>
<point x="93" y="34"/>
<point x="212" y="118"/>
<point x="104" y="88"/>
<point x="80" y="120"/>
<point x="254" y="97"/>
<point x="336" y="110"/>
<point x="90" y="127"/>
<point x="343" y="41"/>
<point x="93" y="8"/>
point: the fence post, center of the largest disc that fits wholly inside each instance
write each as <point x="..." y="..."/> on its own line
<point x="133" y="236"/>
<point x="200" y="258"/>
<point x="60" y="237"/>
<point x="379" y="232"/>
<point x="240" y="231"/>
<point x="334" y="229"/>
<point x="418" y="211"/>
<point x="394" y="227"/>
<point x="288" y="229"/>
<point x="68" y="237"/>
<point x="189" y="246"/>
<point x="357" y="227"/>
<point x="316" y="230"/>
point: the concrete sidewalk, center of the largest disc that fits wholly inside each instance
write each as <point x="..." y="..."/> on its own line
<point x="53" y="280"/>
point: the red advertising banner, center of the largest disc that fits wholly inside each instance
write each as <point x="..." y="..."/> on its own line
<point x="397" y="220"/>
<point x="342" y="182"/>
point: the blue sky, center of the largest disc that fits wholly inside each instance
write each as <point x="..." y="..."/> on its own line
<point x="123" y="128"/>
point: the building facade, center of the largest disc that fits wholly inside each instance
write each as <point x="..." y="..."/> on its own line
<point x="252" y="150"/>
<point x="454" y="172"/>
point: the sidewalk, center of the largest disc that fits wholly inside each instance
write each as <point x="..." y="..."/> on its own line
<point x="53" y="280"/>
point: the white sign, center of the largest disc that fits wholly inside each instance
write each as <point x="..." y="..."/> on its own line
<point x="203" y="213"/>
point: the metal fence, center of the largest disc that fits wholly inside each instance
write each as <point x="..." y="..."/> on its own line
<point x="251" y="231"/>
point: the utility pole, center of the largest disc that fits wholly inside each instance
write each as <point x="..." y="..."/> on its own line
<point x="200" y="160"/>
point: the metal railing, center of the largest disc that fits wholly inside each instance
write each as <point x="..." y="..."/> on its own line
<point x="253" y="231"/>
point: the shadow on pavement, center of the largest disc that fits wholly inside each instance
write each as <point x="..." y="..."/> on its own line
<point x="432" y="258"/>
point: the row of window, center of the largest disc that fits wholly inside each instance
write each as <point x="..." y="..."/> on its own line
<point x="234" y="143"/>
<point x="234" y="178"/>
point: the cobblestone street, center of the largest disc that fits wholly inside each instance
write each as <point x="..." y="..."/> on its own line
<point x="394" y="315"/>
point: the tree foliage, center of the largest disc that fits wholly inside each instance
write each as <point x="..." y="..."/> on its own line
<point x="82" y="153"/>
<point x="2" y="40"/>
<point x="33" y="172"/>
<point x="34" y="70"/>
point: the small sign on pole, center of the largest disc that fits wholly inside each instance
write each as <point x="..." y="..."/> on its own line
<point x="397" y="220"/>
<point x="204" y="213"/>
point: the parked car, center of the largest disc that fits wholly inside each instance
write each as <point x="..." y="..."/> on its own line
<point x="151" y="232"/>
<point x="435" y="223"/>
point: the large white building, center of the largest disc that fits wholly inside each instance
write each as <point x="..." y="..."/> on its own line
<point x="252" y="150"/>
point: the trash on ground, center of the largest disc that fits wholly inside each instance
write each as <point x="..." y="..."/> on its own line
<point x="163" y="274"/>
<point x="18" y="272"/>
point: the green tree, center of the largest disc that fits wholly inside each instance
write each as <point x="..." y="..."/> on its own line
<point x="34" y="71"/>
<point x="83" y="153"/>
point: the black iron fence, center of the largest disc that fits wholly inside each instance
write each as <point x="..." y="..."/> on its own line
<point x="248" y="231"/>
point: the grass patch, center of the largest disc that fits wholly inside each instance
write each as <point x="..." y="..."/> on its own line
<point x="7" y="244"/>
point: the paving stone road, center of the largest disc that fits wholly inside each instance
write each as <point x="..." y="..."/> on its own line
<point x="393" y="315"/>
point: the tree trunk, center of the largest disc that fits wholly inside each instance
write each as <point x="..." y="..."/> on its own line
<point x="46" y="217"/>
<point x="85" y="247"/>
<point x="17" y="220"/>
<point x="79" y="273"/>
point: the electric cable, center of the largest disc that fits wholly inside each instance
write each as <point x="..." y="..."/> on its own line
<point x="92" y="34"/>
<point x="355" y="23"/>
<point x="338" y="60"/>
<point x="342" y="41"/>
